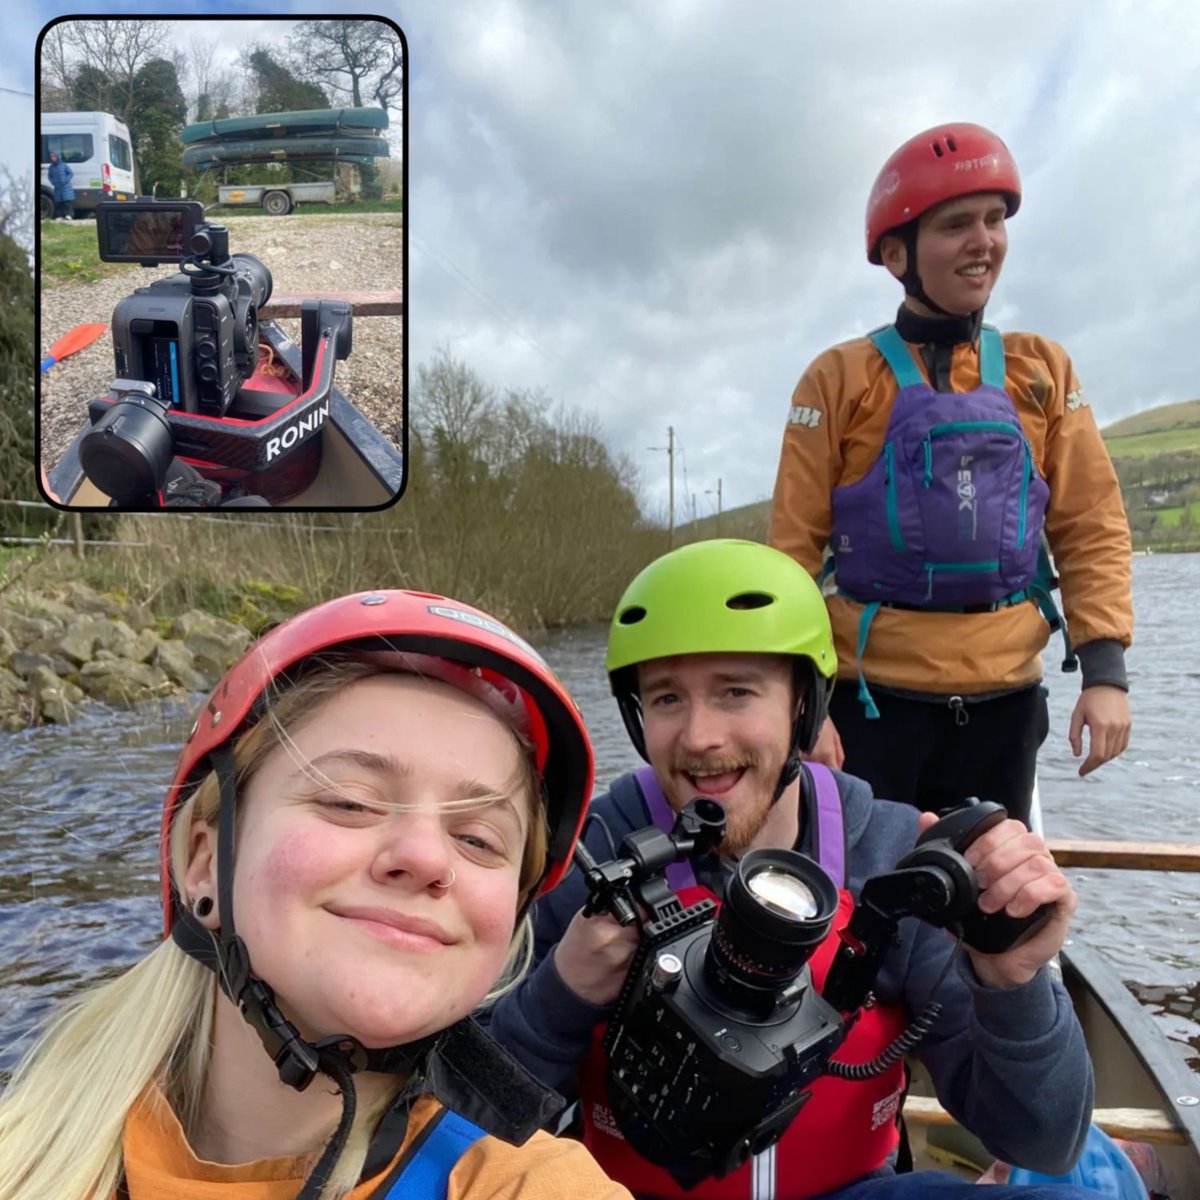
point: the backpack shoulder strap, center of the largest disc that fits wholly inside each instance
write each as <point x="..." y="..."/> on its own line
<point x="679" y="874"/>
<point x="895" y="350"/>
<point x="831" y="824"/>
<point x="991" y="357"/>
<point x="426" y="1175"/>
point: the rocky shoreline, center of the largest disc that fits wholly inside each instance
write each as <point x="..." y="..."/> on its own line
<point x="73" y="646"/>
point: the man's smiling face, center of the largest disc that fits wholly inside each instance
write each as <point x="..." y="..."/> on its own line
<point x="719" y="725"/>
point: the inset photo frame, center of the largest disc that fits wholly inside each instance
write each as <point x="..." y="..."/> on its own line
<point x="221" y="261"/>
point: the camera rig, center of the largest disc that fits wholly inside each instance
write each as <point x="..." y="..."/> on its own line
<point x="190" y="384"/>
<point x="718" y="1029"/>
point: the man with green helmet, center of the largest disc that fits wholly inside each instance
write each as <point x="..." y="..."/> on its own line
<point x="721" y="659"/>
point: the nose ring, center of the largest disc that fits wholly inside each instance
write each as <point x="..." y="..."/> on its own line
<point x="437" y="883"/>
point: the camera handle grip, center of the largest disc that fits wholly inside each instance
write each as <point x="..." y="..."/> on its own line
<point x="989" y="933"/>
<point x="961" y="826"/>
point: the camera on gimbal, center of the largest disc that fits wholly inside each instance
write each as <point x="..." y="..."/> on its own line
<point x="194" y="335"/>
<point x="187" y="349"/>
<point x="718" y="1030"/>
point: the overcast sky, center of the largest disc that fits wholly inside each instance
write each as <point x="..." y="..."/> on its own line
<point x="653" y="209"/>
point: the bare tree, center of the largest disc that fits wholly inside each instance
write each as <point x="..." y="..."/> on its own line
<point x="352" y="58"/>
<point x="209" y="82"/>
<point x="16" y="208"/>
<point x="56" y="64"/>
<point x="113" y="52"/>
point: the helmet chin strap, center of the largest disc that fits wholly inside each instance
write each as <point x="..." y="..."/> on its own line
<point x="788" y="776"/>
<point x="911" y="279"/>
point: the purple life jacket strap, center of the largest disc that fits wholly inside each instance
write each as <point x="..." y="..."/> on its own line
<point x="831" y="838"/>
<point x="680" y="874"/>
<point x="831" y="831"/>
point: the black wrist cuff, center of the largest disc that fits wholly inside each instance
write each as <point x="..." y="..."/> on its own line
<point x="1102" y="661"/>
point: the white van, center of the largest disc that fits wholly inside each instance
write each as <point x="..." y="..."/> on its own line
<point x="96" y="146"/>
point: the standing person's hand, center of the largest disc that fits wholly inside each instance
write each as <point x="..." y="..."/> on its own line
<point x="1104" y="710"/>
<point x="828" y="747"/>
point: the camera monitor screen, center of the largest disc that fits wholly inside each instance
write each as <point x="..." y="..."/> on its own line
<point x="147" y="232"/>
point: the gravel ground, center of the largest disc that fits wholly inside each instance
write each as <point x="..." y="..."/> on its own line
<point x="305" y="254"/>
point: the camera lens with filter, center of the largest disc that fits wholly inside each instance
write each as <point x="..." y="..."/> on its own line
<point x="778" y="908"/>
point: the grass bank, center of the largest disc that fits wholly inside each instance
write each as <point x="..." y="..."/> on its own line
<point x="70" y="253"/>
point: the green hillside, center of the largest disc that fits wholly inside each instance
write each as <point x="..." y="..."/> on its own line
<point x="1155" y="420"/>
<point x="1157" y="457"/>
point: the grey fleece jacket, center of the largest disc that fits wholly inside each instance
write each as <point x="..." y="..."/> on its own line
<point x="1010" y="1064"/>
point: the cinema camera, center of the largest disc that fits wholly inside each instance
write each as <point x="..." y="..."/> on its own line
<point x="185" y="347"/>
<point x="718" y="1029"/>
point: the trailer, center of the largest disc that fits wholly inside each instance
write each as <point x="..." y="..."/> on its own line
<point x="350" y="135"/>
<point x="278" y="199"/>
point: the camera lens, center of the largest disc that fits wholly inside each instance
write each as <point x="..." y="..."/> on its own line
<point x="783" y="893"/>
<point x="127" y="452"/>
<point x="778" y="908"/>
<point x="258" y="276"/>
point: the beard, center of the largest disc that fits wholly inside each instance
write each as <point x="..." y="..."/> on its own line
<point x="746" y="810"/>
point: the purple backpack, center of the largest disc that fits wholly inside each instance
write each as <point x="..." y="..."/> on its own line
<point x="949" y="516"/>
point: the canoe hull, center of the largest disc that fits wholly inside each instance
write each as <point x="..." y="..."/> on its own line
<point x="1138" y="1070"/>
<point x="297" y="149"/>
<point x="356" y="122"/>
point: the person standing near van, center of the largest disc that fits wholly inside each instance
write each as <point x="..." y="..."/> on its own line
<point x="60" y="176"/>
<point x="929" y="457"/>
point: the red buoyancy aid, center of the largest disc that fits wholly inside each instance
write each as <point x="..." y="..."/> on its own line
<point x="845" y="1129"/>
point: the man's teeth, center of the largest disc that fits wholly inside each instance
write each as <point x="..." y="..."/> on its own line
<point x="977" y="269"/>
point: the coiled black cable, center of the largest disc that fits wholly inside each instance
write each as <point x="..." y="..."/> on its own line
<point x="908" y="1040"/>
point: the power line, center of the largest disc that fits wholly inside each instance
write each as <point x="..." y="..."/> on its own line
<point x="15" y="92"/>
<point x="475" y="290"/>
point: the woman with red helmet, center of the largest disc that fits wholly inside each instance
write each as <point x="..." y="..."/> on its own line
<point x="921" y="466"/>
<point x="364" y="810"/>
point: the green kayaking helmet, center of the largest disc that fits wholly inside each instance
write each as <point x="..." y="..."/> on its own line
<point x="730" y="596"/>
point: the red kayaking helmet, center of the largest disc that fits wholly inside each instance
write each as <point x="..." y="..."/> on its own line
<point x="492" y="658"/>
<point x="942" y="163"/>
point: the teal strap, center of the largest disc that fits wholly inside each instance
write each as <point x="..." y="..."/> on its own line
<point x="864" y="628"/>
<point x="991" y="357"/>
<point x="895" y="350"/>
<point x="827" y="569"/>
<point x="1054" y="619"/>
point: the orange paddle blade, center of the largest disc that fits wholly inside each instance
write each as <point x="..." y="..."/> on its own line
<point x="73" y="340"/>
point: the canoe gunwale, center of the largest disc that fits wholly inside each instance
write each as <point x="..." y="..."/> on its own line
<point x="1163" y="1064"/>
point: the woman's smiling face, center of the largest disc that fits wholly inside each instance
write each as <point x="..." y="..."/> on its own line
<point x="344" y="837"/>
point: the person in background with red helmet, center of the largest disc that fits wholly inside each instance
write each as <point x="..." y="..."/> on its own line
<point x="921" y="465"/>
<point x="364" y="811"/>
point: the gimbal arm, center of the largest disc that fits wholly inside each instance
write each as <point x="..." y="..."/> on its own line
<point x="933" y="884"/>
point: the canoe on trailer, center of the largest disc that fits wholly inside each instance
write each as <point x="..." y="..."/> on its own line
<point x="292" y="149"/>
<point x="355" y="466"/>
<point x="356" y="122"/>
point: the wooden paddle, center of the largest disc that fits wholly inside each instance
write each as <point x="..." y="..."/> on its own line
<point x="72" y="340"/>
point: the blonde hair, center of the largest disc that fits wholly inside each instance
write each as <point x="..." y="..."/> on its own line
<point x="63" y="1114"/>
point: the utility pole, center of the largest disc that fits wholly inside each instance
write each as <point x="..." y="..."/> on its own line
<point x="709" y="493"/>
<point x="670" y="449"/>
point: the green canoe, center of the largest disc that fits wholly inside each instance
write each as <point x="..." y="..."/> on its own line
<point x="355" y="122"/>
<point x="292" y="149"/>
